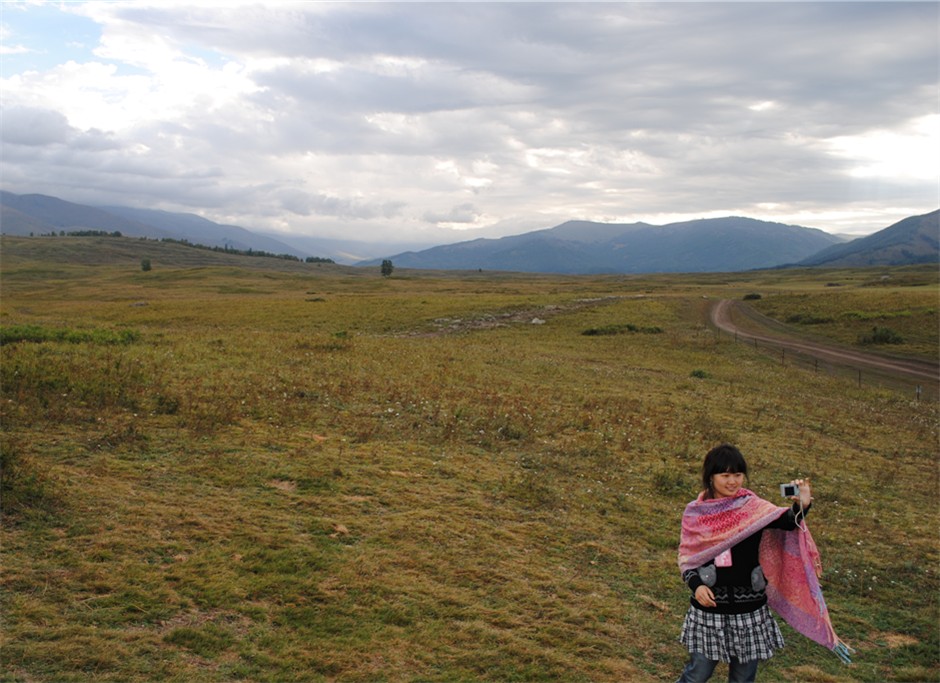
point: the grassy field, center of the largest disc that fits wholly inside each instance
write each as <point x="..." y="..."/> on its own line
<point x="244" y="469"/>
<point x="854" y="303"/>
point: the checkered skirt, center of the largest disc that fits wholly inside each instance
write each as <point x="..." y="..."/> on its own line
<point x="748" y="636"/>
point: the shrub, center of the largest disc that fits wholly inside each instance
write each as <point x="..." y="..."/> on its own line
<point x="699" y="374"/>
<point x="809" y="319"/>
<point x="145" y="264"/>
<point x="605" y="330"/>
<point x="621" y="329"/>
<point x="753" y="296"/>
<point x="881" y="335"/>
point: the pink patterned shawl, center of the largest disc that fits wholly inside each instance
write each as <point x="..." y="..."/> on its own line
<point x="789" y="559"/>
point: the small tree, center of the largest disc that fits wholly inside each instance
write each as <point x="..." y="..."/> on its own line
<point x="145" y="264"/>
<point x="387" y="268"/>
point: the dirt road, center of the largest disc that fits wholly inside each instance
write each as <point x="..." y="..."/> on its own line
<point x="724" y="312"/>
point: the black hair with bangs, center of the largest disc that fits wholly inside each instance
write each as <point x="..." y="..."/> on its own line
<point x="723" y="458"/>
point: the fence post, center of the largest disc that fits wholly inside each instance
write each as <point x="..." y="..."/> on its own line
<point x="860" y="377"/>
<point x="918" y="393"/>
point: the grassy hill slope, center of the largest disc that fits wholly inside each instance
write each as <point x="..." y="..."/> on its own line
<point x="129" y="252"/>
<point x="285" y="473"/>
<point x="913" y="240"/>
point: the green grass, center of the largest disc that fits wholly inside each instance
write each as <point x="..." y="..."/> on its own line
<point x="897" y="310"/>
<point x="36" y="333"/>
<point x="405" y="479"/>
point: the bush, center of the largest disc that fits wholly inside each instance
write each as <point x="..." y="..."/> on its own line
<point x="881" y="335"/>
<point x="620" y="329"/>
<point x="809" y="319"/>
<point x="145" y="264"/>
<point x="699" y="374"/>
<point x="753" y="296"/>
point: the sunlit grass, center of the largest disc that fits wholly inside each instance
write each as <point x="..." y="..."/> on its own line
<point x="330" y="475"/>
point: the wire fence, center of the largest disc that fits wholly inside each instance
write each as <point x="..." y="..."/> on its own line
<point x="918" y="388"/>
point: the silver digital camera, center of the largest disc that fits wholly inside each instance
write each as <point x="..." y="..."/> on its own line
<point x="789" y="490"/>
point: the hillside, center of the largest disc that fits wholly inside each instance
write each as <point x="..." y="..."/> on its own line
<point x="39" y="214"/>
<point x="35" y="214"/>
<point x="706" y="245"/>
<point x="201" y="231"/>
<point x="130" y="251"/>
<point x="15" y="222"/>
<point x="910" y="241"/>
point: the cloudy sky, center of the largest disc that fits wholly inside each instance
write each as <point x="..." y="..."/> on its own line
<point x="438" y="122"/>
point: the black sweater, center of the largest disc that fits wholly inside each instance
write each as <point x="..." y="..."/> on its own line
<point x="740" y="588"/>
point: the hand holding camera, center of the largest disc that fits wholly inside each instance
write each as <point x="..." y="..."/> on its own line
<point x="798" y="489"/>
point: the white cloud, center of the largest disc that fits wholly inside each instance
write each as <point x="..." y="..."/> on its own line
<point x="910" y="151"/>
<point x="6" y="49"/>
<point x="393" y="119"/>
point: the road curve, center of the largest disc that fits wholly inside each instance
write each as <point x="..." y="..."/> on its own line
<point x="721" y="315"/>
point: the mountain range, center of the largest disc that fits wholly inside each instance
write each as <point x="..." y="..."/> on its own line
<point x="41" y="214"/>
<point x="716" y="244"/>
<point x="575" y="247"/>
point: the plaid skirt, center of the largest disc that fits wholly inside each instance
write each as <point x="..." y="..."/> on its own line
<point x="748" y="636"/>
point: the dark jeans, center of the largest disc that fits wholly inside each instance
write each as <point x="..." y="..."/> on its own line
<point x="700" y="668"/>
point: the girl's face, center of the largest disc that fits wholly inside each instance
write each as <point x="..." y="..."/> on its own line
<point x="727" y="484"/>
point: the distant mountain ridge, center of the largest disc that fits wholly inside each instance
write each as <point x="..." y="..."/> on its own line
<point x="576" y="247"/>
<point x="36" y="213"/>
<point x="705" y="245"/>
<point x="41" y="214"/>
<point x="204" y="231"/>
<point x="27" y="213"/>
<point x="913" y="240"/>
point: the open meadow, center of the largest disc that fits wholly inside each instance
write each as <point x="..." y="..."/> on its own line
<point x="231" y="468"/>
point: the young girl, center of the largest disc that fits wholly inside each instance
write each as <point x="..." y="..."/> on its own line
<point x="737" y="553"/>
